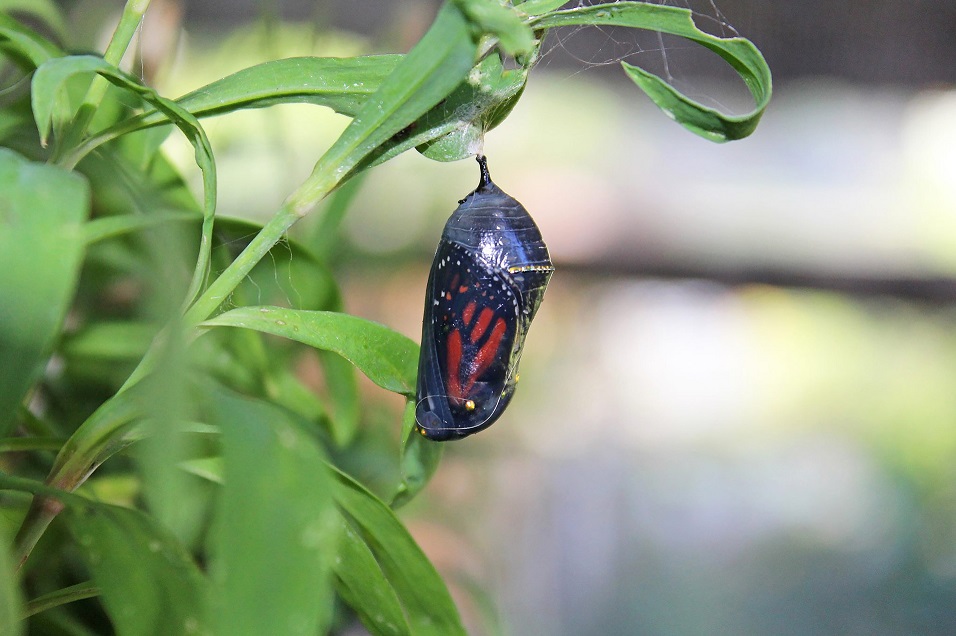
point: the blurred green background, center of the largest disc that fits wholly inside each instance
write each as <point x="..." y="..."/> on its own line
<point x="737" y="411"/>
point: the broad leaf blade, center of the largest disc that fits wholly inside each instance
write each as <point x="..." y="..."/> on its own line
<point x="388" y="358"/>
<point x="423" y="594"/>
<point x="740" y="53"/>
<point x="275" y="528"/>
<point x="176" y="499"/>
<point x="150" y="585"/>
<point x="41" y="247"/>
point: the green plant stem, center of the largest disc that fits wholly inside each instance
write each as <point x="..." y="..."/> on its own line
<point x="70" y="594"/>
<point x="119" y="43"/>
<point x="76" y="460"/>
<point x="45" y="507"/>
<point x="43" y="510"/>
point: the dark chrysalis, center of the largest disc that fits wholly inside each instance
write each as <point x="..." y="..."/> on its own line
<point x="486" y="283"/>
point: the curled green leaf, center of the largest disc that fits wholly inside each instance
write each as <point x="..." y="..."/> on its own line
<point x="740" y="53"/>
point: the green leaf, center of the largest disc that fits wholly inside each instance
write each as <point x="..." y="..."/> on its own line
<point x="359" y="579"/>
<point x="275" y="526"/>
<point x="501" y="22"/>
<point x="342" y="84"/>
<point x="420" y="459"/>
<point x="363" y="586"/>
<point x="438" y="63"/>
<point x="424" y="596"/>
<point x="388" y="358"/>
<point x="740" y="53"/>
<point x="49" y="82"/>
<point x="108" y="430"/>
<point x="149" y="583"/>
<point x="42" y="211"/>
<point x="287" y="390"/>
<point x="97" y="439"/>
<point x="8" y="444"/>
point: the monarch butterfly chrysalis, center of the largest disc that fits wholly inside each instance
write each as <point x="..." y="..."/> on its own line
<point x="486" y="283"/>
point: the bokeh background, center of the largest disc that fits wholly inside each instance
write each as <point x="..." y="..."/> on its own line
<point x="737" y="411"/>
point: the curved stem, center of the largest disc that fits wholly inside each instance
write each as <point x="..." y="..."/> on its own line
<point x="66" y="595"/>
